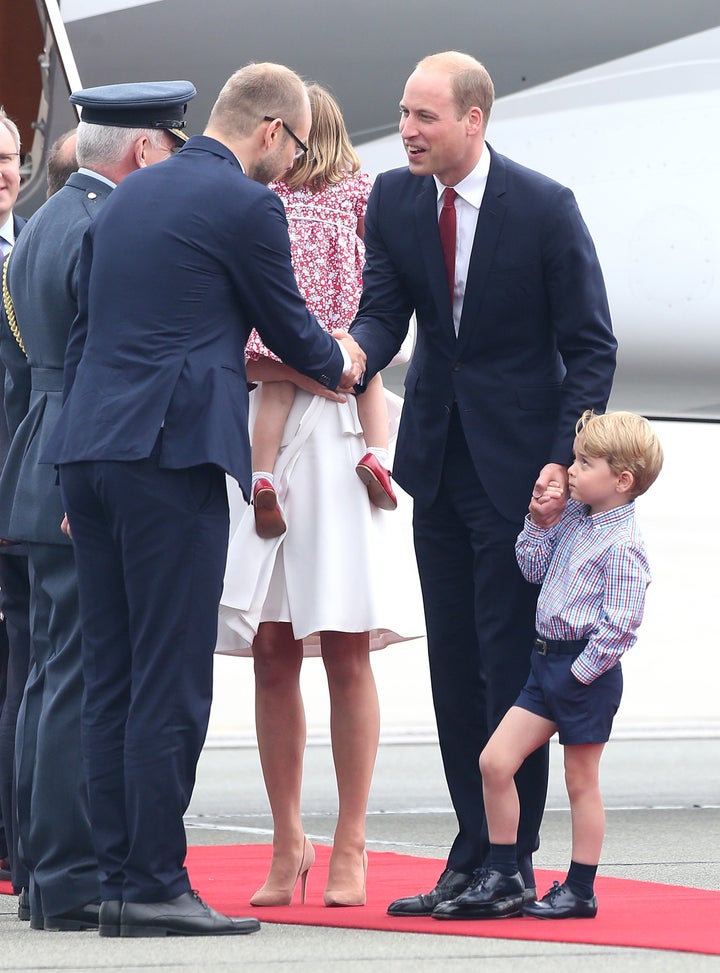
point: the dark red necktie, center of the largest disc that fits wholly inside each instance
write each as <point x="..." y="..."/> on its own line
<point x="447" y="225"/>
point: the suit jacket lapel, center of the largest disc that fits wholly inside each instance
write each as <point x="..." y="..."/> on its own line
<point x="429" y="241"/>
<point x="490" y="220"/>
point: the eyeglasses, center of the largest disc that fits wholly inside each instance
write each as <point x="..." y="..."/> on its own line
<point x="302" y="149"/>
<point x="8" y="157"/>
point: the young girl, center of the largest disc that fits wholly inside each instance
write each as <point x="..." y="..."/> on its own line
<point x="325" y="196"/>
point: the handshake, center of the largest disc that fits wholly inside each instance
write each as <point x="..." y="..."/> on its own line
<point x="357" y="356"/>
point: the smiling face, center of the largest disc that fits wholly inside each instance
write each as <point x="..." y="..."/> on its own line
<point x="592" y="481"/>
<point x="9" y="173"/>
<point x="437" y="142"/>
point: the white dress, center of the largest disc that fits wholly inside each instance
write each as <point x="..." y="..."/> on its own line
<point x="343" y="564"/>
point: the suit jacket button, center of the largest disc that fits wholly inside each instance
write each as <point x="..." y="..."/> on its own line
<point x="457" y="366"/>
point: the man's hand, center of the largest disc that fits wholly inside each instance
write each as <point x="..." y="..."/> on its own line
<point x="315" y="388"/>
<point x="65" y="526"/>
<point x="357" y="357"/>
<point x="549" y="495"/>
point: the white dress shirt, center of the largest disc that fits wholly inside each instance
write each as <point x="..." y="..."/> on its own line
<point x="7" y="237"/>
<point x="470" y="192"/>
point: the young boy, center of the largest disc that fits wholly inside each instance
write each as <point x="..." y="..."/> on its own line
<point x="594" y="575"/>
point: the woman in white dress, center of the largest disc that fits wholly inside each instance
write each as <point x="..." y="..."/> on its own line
<point x="328" y="585"/>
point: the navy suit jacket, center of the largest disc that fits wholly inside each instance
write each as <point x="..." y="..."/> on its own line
<point x="185" y="259"/>
<point x="535" y="344"/>
<point x="42" y="277"/>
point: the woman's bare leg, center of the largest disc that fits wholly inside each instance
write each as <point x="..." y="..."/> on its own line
<point x="354" y="731"/>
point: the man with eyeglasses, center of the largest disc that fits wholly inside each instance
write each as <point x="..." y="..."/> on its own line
<point x="124" y="128"/>
<point x="182" y="263"/>
<point x="14" y="583"/>
<point x="10" y="224"/>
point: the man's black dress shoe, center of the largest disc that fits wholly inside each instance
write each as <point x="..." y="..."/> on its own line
<point x="84" y="917"/>
<point x="449" y="886"/>
<point x="491" y="896"/>
<point x="562" y="903"/>
<point x="109" y="918"/>
<point x="186" y="915"/>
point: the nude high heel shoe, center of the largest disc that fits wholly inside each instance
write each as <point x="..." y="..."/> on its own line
<point x="349" y="896"/>
<point x="272" y="895"/>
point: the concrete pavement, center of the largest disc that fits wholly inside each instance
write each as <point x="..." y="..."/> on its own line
<point x="663" y="824"/>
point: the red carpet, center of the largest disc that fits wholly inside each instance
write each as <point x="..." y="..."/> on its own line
<point x="640" y="914"/>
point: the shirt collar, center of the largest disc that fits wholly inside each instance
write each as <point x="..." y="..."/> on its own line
<point x="96" y="175"/>
<point x="7" y="230"/>
<point x="608" y="518"/>
<point x="472" y="187"/>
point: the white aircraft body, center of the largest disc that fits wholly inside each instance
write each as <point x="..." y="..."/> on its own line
<point x="621" y="102"/>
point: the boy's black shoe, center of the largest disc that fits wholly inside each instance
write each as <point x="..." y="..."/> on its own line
<point x="562" y="903"/>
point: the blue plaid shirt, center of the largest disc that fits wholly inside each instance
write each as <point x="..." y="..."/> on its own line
<point x="594" y="573"/>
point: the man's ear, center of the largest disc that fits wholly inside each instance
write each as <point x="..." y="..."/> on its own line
<point x="272" y="132"/>
<point x="140" y="147"/>
<point x="475" y="120"/>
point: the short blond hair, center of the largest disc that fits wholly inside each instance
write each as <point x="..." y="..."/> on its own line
<point x="256" y="91"/>
<point x="470" y="81"/>
<point x="331" y="157"/>
<point x="626" y="441"/>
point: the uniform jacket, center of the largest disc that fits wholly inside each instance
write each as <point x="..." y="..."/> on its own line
<point x="18" y="222"/>
<point x="42" y="277"/>
<point x="162" y="325"/>
<point x="535" y="345"/>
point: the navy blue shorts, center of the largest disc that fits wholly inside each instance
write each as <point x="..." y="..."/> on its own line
<point x="582" y="714"/>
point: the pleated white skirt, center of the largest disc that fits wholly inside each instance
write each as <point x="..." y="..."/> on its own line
<point x="343" y="564"/>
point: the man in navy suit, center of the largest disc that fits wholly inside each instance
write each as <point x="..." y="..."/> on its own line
<point x="513" y="342"/>
<point x="123" y="128"/>
<point x="14" y="584"/>
<point x="181" y="264"/>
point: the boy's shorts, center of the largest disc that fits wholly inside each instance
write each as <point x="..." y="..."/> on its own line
<point x="583" y="714"/>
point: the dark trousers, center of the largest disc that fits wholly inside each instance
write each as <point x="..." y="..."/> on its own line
<point x="15" y="606"/>
<point x="150" y="545"/>
<point x="54" y="826"/>
<point x="480" y="617"/>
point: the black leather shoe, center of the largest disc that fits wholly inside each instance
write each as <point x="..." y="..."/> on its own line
<point x="562" y="903"/>
<point x="84" y="917"/>
<point x="109" y="918"/>
<point x="491" y="896"/>
<point x="186" y="915"/>
<point x="449" y="886"/>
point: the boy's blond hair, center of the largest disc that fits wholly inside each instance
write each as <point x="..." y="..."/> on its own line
<point x="626" y="441"/>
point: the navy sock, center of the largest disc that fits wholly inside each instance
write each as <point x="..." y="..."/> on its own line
<point x="580" y="879"/>
<point x="503" y="858"/>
